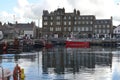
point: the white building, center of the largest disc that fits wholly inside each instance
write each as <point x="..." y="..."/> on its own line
<point x="117" y="30"/>
<point x="26" y="29"/>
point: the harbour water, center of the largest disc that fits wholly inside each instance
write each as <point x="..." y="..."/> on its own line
<point x="60" y="63"/>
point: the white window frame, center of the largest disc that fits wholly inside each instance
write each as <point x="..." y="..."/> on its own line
<point x="45" y="18"/>
<point x="58" y="17"/>
<point x="58" y="23"/>
<point x="45" y="23"/>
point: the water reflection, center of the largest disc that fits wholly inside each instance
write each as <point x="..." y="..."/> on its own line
<point x="72" y="60"/>
<point x="60" y="63"/>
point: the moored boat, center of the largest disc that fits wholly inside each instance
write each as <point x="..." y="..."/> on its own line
<point x="5" y="74"/>
<point x="77" y="43"/>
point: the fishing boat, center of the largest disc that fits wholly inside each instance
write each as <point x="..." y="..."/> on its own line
<point x="73" y="41"/>
<point x="77" y="43"/>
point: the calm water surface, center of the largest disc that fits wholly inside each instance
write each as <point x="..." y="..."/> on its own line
<point x="60" y="63"/>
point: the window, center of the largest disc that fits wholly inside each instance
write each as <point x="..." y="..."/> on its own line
<point x="69" y="28"/>
<point x="108" y="26"/>
<point x="91" y="17"/>
<point x="90" y="28"/>
<point x="78" y="29"/>
<point x="65" y="23"/>
<point x="95" y="26"/>
<point x="58" y="23"/>
<point x="106" y="21"/>
<point x="79" y="22"/>
<point x="83" y="18"/>
<point x="58" y="29"/>
<point x="51" y="28"/>
<point x="75" y="22"/>
<point x="86" y="17"/>
<point x="69" y="17"/>
<point x="64" y="17"/>
<point x="103" y="26"/>
<point x="69" y="23"/>
<point x="75" y="28"/>
<point x="87" y="22"/>
<point x="99" y="30"/>
<point x="45" y="23"/>
<point x="95" y="30"/>
<point x="79" y="17"/>
<point x="65" y="28"/>
<point x="83" y="22"/>
<point x="58" y="17"/>
<point x="82" y="29"/>
<point x="118" y="30"/>
<point x="103" y="30"/>
<point x="45" y="18"/>
<point x="91" y="22"/>
<point x="51" y="18"/>
<point x="51" y="23"/>
<point x="75" y="18"/>
<point x="108" y="31"/>
<point x="87" y="28"/>
<point x="99" y="26"/>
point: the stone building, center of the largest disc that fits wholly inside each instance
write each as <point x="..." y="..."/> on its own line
<point x="61" y="24"/>
<point x="28" y="29"/>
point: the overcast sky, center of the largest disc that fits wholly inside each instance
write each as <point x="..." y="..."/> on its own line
<point x="31" y="10"/>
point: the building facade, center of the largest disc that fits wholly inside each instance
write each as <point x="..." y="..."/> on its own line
<point x="26" y="29"/>
<point x="116" y="32"/>
<point x="103" y="28"/>
<point x="61" y="24"/>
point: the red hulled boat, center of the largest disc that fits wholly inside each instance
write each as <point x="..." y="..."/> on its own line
<point x="77" y="43"/>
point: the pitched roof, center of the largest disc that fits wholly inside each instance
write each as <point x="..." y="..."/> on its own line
<point x="25" y="26"/>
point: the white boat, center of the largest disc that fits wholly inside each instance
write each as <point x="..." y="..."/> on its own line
<point x="5" y="74"/>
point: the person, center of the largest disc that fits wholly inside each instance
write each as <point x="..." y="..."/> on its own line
<point x="16" y="43"/>
<point x="16" y="72"/>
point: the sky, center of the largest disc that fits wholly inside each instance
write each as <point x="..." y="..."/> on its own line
<point x="24" y="11"/>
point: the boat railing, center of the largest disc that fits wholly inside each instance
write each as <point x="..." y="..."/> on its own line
<point x="81" y="39"/>
<point x="2" y="73"/>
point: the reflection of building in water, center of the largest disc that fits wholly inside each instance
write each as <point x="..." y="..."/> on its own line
<point x="73" y="60"/>
<point x="30" y="57"/>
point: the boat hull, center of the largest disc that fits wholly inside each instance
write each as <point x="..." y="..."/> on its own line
<point x="77" y="44"/>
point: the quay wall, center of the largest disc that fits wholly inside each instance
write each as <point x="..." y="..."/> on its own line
<point x="105" y="43"/>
